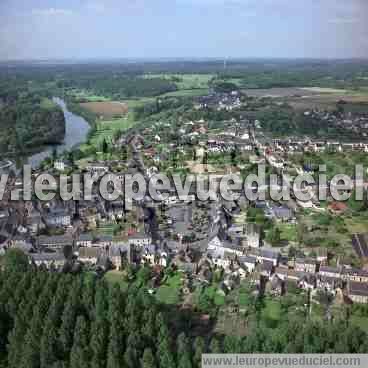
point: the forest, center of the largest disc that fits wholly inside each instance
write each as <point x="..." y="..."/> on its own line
<point x="26" y="125"/>
<point x="54" y="320"/>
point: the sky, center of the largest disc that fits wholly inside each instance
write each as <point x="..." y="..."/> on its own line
<point x="83" y="29"/>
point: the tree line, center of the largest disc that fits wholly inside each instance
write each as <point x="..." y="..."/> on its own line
<point x="50" y="319"/>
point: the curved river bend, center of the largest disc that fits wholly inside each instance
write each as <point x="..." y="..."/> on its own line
<point x="76" y="130"/>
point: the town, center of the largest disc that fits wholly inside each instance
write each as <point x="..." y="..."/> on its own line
<point x="214" y="268"/>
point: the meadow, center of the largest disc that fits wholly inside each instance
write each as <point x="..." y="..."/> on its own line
<point x="185" y="81"/>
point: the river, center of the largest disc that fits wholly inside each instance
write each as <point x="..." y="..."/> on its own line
<point x="76" y="130"/>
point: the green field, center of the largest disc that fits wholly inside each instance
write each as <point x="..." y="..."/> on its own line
<point x="107" y="128"/>
<point x="360" y="321"/>
<point x="336" y="162"/>
<point x="271" y="312"/>
<point x="243" y="299"/>
<point x="46" y="103"/>
<point x="169" y="292"/>
<point x="288" y="232"/>
<point x="116" y="277"/>
<point x="84" y="95"/>
<point x="187" y="93"/>
<point x="185" y="81"/>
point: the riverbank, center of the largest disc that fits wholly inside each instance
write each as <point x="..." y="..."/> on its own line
<point x="76" y="133"/>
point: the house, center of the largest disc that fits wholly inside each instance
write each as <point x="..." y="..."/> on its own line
<point x="60" y="165"/>
<point x="163" y="260"/>
<point x="281" y="214"/>
<point x="275" y="286"/>
<point x="115" y="256"/>
<point x="48" y="260"/>
<point x="308" y="282"/>
<point x="329" y="283"/>
<point x="97" y="168"/>
<point x="85" y="240"/>
<point x="102" y="241"/>
<point x="249" y="262"/>
<point x="305" y="265"/>
<point x="266" y="254"/>
<point x="327" y="271"/>
<point x="58" y="217"/>
<point x="253" y="235"/>
<point x="355" y="275"/>
<point x="34" y="221"/>
<point x="90" y="255"/>
<point x="360" y="245"/>
<point x="322" y="255"/>
<point x="21" y="242"/>
<point x="149" y="255"/>
<point x="267" y="268"/>
<point x="115" y="210"/>
<point x="281" y="272"/>
<point x="224" y="261"/>
<point x="54" y="242"/>
<point x="358" y="292"/>
<point x="140" y="240"/>
<point x="288" y="274"/>
<point x="241" y="270"/>
<point x="219" y="247"/>
<point x="4" y="214"/>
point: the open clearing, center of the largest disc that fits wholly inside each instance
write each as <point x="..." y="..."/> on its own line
<point x="185" y="81"/>
<point x="277" y="92"/>
<point x="187" y="93"/>
<point x="324" y="90"/>
<point x="107" y="109"/>
<point x="106" y="126"/>
<point x="303" y="98"/>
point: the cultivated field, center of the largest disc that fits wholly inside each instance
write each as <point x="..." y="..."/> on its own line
<point x="278" y="92"/>
<point x="106" y="109"/>
<point x="304" y="98"/>
<point x="327" y="101"/>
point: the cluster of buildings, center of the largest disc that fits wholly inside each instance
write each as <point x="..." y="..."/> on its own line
<point x="219" y="101"/>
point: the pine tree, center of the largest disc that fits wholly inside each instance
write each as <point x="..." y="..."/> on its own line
<point x="79" y="355"/>
<point x="215" y="347"/>
<point x="184" y="361"/>
<point x="148" y="360"/>
<point x="115" y="349"/>
<point x="49" y="347"/>
<point x="165" y="355"/>
<point x="69" y="318"/>
<point x="99" y="341"/>
<point x="199" y="349"/>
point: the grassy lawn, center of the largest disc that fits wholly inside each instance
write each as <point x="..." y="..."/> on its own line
<point x="84" y="95"/>
<point x="46" y="103"/>
<point x="327" y="231"/>
<point x="106" y="229"/>
<point x="107" y="128"/>
<point x="212" y="293"/>
<point x="359" y="321"/>
<point x="288" y="232"/>
<point x="186" y="81"/>
<point x="243" y="299"/>
<point x="271" y="312"/>
<point x="357" y="224"/>
<point x="169" y="293"/>
<point x="116" y="277"/>
<point x="187" y="93"/>
<point x="336" y="162"/>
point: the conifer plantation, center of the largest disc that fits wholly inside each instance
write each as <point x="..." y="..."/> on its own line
<point x="55" y="320"/>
